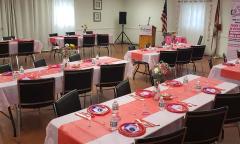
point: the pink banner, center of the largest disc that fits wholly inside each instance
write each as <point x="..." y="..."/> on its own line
<point x="234" y="31"/>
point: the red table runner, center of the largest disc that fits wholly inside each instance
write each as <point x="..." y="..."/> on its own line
<point x="78" y="132"/>
<point x="138" y="54"/>
<point x="231" y="72"/>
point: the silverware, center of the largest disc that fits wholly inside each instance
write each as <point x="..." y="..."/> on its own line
<point x="146" y="123"/>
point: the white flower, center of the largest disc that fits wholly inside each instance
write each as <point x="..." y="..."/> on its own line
<point x="156" y="70"/>
<point x="66" y="45"/>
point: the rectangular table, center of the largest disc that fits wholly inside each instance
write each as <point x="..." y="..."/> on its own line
<point x="151" y="55"/>
<point x="8" y="86"/>
<point x="226" y="73"/>
<point x="73" y="129"/>
<point x="13" y="46"/>
<point x="59" y="40"/>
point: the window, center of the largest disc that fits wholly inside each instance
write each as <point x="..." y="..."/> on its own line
<point x="63" y="16"/>
<point x="192" y="19"/>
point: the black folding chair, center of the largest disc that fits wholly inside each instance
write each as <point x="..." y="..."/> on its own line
<point x="8" y="37"/>
<point x="232" y="101"/>
<point x="75" y="57"/>
<point x="123" y="88"/>
<point x="200" y="40"/>
<point x="103" y="42"/>
<point x="110" y="77"/>
<point x="68" y="103"/>
<point x="35" y="93"/>
<point x="81" y="80"/>
<point x="39" y="63"/>
<point x="5" y="68"/>
<point x="169" y="57"/>
<point x="197" y="55"/>
<point x="25" y="48"/>
<point x="88" y="42"/>
<point x="70" y="33"/>
<point x="176" y="137"/>
<point x="4" y="51"/>
<point x="204" y="126"/>
<point x="184" y="57"/>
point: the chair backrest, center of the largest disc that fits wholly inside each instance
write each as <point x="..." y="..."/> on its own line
<point x="25" y="47"/>
<point x="205" y="126"/>
<point x="4" y="49"/>
<point x="184" y="55"/>
<point x="102" y="39"/>
<point x="75" y="57"/>
<point x="70" y="33"/>
<point x="71" y="40"/>
<point x="5" y="68"/>
<point x="169" y="57"/>
<point x="210" y="62"/>
<point x="131" y="47"/>
<point x="53" y="34"/>
<point x="232" y="101"/>
<point x="89" y="32"/>
<point x="8" y="37"/>
<point x="111" y="75"/>
<point x="123" y="88"/>
<point x="68" y="103"/>
<point x="40" y="63"/>
<point x="197" y="52"/>
<point x="88" y="40"/>
<point x="238" y="54"/>
<point x="81" y="80"/>
<point x="224" y="58"/>
<point x="176" y="137"/>
<point x="200" y="40"/>
<point x="36" y="93"/>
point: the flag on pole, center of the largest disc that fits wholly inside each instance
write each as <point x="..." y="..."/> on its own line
<point x="217" y="22"/>
<point x="164" y="17"/>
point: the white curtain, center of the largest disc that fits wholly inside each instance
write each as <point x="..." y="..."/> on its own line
<point x="63" y="16"/>
<point x="27" y="19"/>
<point x="192" y="19"/>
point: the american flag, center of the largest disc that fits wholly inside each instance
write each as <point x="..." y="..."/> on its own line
<point x="217" y="22"/>
<point x="164" y="17"/>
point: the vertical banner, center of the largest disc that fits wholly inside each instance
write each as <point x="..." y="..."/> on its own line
<point x="234" y="31"/>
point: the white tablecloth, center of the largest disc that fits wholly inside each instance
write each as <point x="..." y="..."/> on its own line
<point x="215" y="73"/>
<point x="168" y="121"/>
<point x="9" y="91"/>
<point x="13" y="47"/>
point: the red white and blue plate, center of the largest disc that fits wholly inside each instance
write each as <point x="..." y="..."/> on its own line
<point x="177" y="107"/>
<point x="132" y="129"/>
<point x="211" y="90"/>
<point x="98" y="109"/>
<point x="144" y="93"/>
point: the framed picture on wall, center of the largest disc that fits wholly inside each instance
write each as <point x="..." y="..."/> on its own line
<point x="96" y="16"/>
<point x="97" y="4"/>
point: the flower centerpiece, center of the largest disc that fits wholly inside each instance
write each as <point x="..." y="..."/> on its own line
<point x="84" y="28"/>
<point x="159" y="71"/>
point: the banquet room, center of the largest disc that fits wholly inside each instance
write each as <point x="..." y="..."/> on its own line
<point x="119" y="71"/>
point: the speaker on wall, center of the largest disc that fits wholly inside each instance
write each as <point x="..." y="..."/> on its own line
<point x="122" y="17"/>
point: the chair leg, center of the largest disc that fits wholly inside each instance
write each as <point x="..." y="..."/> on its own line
<point x="12" y="121"/>
<point x="84" y="104"/>
<point x="108" y="51"/>
<point x="136" y="70"/>
<point x="238" y="129"/>
<point x="194" y="67"/>
<point x="17" y="62"/>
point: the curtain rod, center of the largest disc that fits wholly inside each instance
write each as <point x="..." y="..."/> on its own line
<point x="182" y="1"/>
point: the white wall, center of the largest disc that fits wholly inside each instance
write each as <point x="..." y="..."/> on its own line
<point x="138" y="12"/>
<point x="109" y="16"/>
<point x="226" y="6"/>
